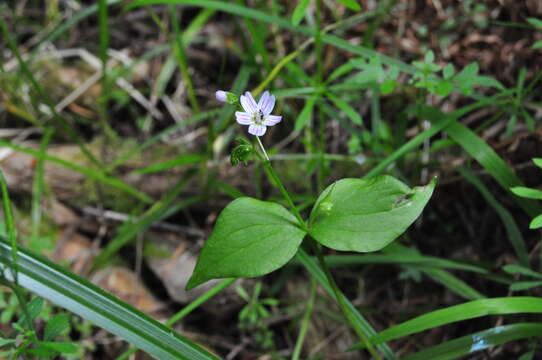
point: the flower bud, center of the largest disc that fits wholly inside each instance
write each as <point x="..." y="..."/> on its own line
<point x="227" y="97"/>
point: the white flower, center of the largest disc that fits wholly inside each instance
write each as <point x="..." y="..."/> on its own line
<point x="257" y="115"/>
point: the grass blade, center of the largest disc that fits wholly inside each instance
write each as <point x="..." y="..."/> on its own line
<point x="512" y="230"/>
<point x="311" y="265"/>
<point x="478" y="341"/>
<point x="469" y="310"/>
<point x="129" y="230"/>
<point x="90" y="302"/>
<point x="92" y="174"/>
<point x="485" y="155"/>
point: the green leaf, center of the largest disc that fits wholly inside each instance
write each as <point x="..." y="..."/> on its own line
<point x="536" y="222"/>
<point x="478" y="341"/>
<point x="524" y="285"/>
<point x="250" y="238"/>
<point x="444" y="88"/>
<point x="299" y="11"/>
<point x="448" y="71"/>
<point x="56" y="326"/>
<point x="526" y="192"/>
<point x="4" y="342"/>
<point x="61" y="347"/>
<point x="538" y="162"/>
<point x="351" y="4"/>
<point x="34" y="308"/>
<point x="305" y="115"/>
<point x="535" y="22"/>
<point x="537" y="45"/>
<point x="90" y="302"/>
<point x="488" y="82"/>
<point x="517" y="269"/>
<point x="469" y="310"/>
<point x="387" y="87"/>
<point x="366" y="215"/>
<point x="347" y="109"/>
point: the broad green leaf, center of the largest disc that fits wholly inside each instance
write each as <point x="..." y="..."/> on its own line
<point x="537" y="45"/>
<point x="250" y="238"/>
<point x="469" y="310"/>
<point x="56" y="326"/>
<point x="538" y="162"/>
<point x="90" y="302"/>
<point x="478" y="341"/>
<point x="366" y="215"/>
<point x="305" y="115"/>
<point x="536" y="222"/>
<point x="299" y="11"/>
<point x="347" y="109"/>
<point x="526" y="192"/>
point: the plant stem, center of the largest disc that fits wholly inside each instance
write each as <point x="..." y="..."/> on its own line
<point x="276" y="180"/>
<point x="341" y="302"/>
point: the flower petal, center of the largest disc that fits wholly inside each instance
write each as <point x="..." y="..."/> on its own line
<point x="243" y="118"/>
<point x="271" y="120"/>
<point x="257" y="130"/>
<point x="267" y="103"/>
<point x="221" y="95"/>
<point x="248" y="103"/>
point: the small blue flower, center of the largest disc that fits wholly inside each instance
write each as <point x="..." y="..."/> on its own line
<point x="257" y="115"/>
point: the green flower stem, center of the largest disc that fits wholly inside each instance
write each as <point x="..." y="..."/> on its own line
<point x="340" y="300"/>
<point x="276" y="180"/>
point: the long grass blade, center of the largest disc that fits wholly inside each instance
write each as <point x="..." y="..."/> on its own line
<point x="129" y="230"/>
<point x="485" y="155"/>
<point x="315" y="271"/>
<point x="478" y="341"/>
<point x="469" y="310"/>
<point x="79" y="296"/>
<point x="512" y="230"/>
<point x="90" y="173"/>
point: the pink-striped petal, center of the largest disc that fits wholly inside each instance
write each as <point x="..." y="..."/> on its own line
<point x="243" y="118"/>
<point x="267" y="103"/>
<point x="248" y="103"/>
<point x="257" y="130"/>
<point x="271" y="120"/>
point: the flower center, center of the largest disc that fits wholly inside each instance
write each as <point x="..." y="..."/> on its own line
<point x="257" y="117"/>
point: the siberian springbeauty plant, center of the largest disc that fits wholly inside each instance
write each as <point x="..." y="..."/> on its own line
<point x="252" y="237"/>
